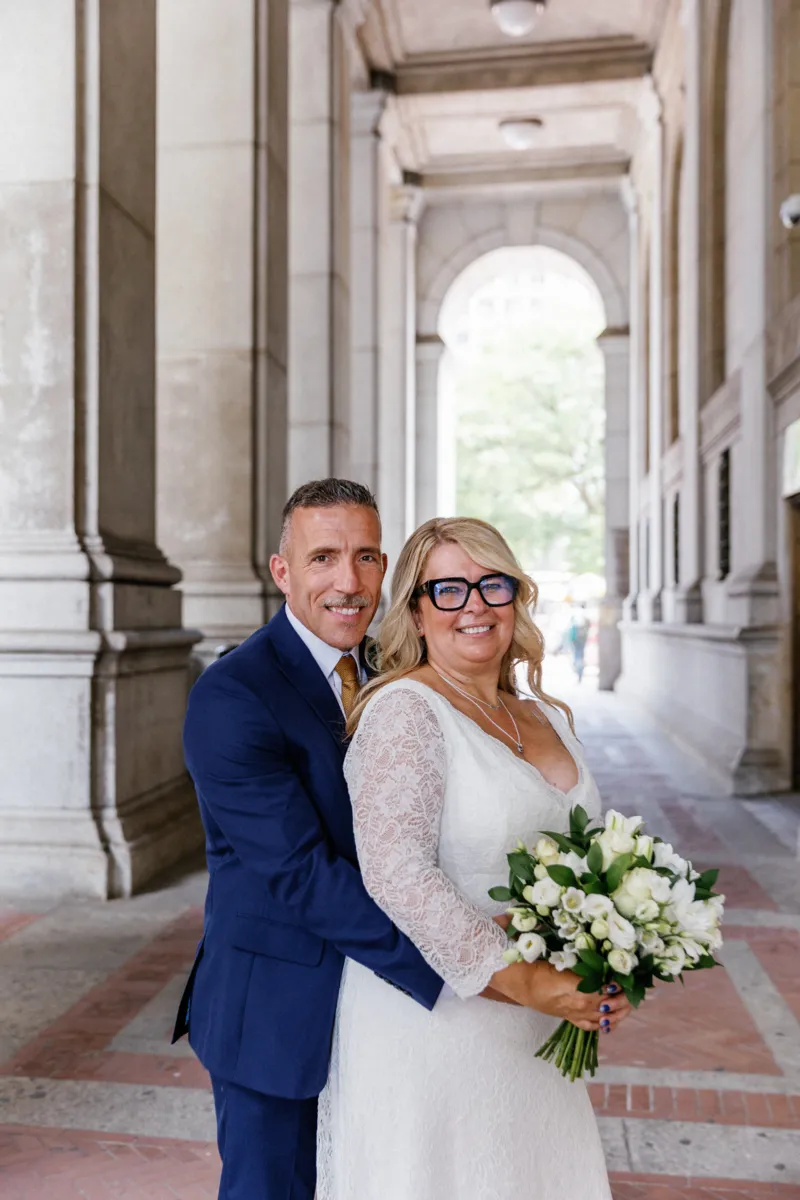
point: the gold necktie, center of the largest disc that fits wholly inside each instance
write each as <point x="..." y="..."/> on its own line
<point x="347" y="670"/>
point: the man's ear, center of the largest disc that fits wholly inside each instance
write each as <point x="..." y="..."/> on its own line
<point x="279" y="569"/>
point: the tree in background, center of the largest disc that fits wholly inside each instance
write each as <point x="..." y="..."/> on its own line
<point x="530" y="431"/>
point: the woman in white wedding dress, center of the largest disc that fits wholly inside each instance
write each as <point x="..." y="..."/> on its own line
<point x="448" y="767"/>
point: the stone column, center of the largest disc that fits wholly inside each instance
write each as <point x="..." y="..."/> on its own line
<point x="93" y="658"/>
<point x="615" y="344"/>
<point x="367" y="199"/>
<point x="429" y="356"/>
<point x="630" y="607"/>
<point x="687" y="601"/>
<point x="222" y="305"/>
<point x="397" y="402"/>
<point x="650" y="608"/>
<point x="319" y="243"/>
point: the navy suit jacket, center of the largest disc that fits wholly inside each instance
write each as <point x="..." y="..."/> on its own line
<point x="264" y="743"/>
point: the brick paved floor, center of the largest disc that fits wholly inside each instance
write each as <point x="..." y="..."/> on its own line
<point x="698" y="1096"/>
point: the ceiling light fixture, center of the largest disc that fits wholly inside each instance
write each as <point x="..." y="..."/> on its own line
<point x="521" y="133"/>
<point x="516" y="17"/>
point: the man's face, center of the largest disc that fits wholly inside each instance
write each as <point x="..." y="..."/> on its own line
<point x="332" y="571"/>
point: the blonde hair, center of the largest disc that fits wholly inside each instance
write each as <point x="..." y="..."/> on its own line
<point x="400" y="650"/>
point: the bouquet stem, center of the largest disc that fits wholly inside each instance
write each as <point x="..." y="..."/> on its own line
<point x="573" y="1051"/>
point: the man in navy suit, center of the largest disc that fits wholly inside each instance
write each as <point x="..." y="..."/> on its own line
<point x="265" y="742"/>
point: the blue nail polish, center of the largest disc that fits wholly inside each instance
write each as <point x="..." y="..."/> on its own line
<point x="612" y="989"/>
<point x="606" y="1029"/>
<point x="605" y="1021"/>
<point x="605" y="1008"/>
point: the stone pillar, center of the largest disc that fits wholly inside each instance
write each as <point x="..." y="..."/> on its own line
<point x="93" y="658"/>
<point x="650" y="608"/>
<point x="319" y="243"/>
<point x="397" y="401"/>
<point x="615" y="344"/>
<point x="222" y="305"/>
<point x="630" y="607"/>
<point x="687" y="599"/>
<point x="753" y="589"/>
<point x="429" y="356"/>
<point x="367" y="200"/>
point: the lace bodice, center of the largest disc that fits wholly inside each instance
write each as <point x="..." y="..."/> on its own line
<point x="437" y="804"/>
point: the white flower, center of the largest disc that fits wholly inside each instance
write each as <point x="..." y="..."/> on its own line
<point x="540" y="871"/>
<point x="524" y="921"/>
<point x="644" y="847"/>
<point x="620" y="932"/>
<point x="574" y="862"/>
<point x="665" y="856"/>
<point x="564" y="960"/>
<point x="649" y="942"/>
<point x="646" y="910"/>
<point x="567" y="923"/>
<point x="672" y="960"/>
<point x="692" y="949"/>
<point x="600" y="929"/>
<point x="639" y="885"/>
<point x="527" y="894"/>
<point x="597" y="906"/>
<point x="622" y="961"/>
<point x="546" y="850"/>
<point x="584" y="941"/>
<point x="531" y="946"/>
<point x="572" y="900"/>
<point x="619" y="822"/>
<point x="547" y="892"/>
<point x="512" y="955"/>
<point x="714" y="939"/>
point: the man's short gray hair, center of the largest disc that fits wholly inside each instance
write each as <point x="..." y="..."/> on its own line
<point x="325" y="493"/>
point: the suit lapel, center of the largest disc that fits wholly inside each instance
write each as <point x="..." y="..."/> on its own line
<point x="301" y="671"/>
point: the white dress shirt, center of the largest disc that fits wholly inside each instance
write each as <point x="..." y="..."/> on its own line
<point x="326" y="657"/>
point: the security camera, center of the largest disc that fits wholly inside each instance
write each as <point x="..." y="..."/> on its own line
<point x="790" y="211"/>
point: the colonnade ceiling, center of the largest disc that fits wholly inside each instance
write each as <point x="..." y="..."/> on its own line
<point x="456" y="77"/>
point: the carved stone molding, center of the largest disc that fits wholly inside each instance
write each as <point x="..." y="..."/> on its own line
<point x="720" y="418"/>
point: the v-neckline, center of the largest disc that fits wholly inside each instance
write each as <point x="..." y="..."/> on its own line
<point x="517" y="758"/>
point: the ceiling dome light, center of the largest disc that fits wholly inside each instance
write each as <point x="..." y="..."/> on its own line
<point x="516" y="17"/>
<point x="521" y="133"/>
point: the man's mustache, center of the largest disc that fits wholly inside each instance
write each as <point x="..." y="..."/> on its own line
<point x="347" y="602"/>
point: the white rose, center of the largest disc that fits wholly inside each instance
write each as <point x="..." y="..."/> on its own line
<point x="622" y="961"/>
<point x="547" y="892"/>
<point x="646" y="910"/>
<point x="572" y="900"/>
<point x="540" y="871"/>
<point x="597" y="906"/>
<point x="620" y="932"/>
<point x="531" y="946"/>
<point x="564" y="960"/>
<point x="546" y="850"/>
<point x="523" y="921"/>
<point x="584" y="941"/>
<point x="665" y="856"/>
<point x="527" y="894"/>
<point x="644" y="847"/>
<point x="543" y="910"/>
<point x="671" y="961"/>
<point x="639" y="885"/>
<point x="512" y="955"/>
<point x="600" y="929"/>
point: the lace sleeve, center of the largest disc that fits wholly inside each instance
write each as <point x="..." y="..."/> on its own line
<point x="396" y="772"/>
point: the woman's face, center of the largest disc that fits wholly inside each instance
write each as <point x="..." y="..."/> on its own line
<point x="470" y="639"/>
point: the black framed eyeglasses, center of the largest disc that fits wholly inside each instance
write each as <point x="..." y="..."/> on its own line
<point x="453" y="594"/>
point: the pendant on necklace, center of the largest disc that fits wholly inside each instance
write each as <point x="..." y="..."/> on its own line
<point x="519" y="748"/>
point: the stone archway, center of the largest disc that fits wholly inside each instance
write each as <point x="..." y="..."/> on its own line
<point x="593" y="231"/>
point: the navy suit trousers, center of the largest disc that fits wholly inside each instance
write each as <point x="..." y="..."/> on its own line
<point x="267" y="1144"/>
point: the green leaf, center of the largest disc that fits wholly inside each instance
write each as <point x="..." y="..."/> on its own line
<point x="501" y="894"/>
<point x="564" y="876"/>
<point x="592" y="959"/>
<point x="584" y="970"/>
<point x="594" y="859"/>
<point x="578" y="820"/>
<point x="708" y="879"/>
<point x="591" y="985"/>
<point x="521" y="865"/>
<point x="564" y="843"/>
<point x="705" y="963"/>
<point x="617" y="870"/>
<point x="625" y="981"/>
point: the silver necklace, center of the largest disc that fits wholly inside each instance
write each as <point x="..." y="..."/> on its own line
<point x="517" y="742"/>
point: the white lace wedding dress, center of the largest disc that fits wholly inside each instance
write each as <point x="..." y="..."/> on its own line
<point x="450" y="1104"/>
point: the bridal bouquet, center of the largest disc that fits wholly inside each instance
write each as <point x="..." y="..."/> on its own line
<point x="612" y="905"/>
